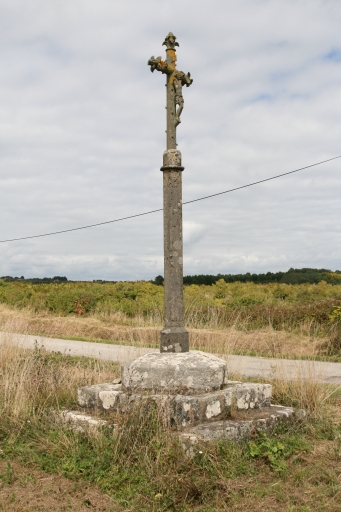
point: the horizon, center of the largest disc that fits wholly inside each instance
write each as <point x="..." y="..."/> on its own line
<point x="62" y="278"/>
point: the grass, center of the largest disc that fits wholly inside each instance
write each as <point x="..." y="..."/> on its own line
<point x="275" y="320"/>
<point x="306" y="307"/>
<point x="26" y="488"/>
<point x="140" y="466"/>
<point x="265" y="341"/>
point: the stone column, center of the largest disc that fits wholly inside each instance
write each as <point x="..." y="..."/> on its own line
<point x="174" y="336"/>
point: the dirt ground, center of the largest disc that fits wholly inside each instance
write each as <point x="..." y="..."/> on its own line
<point x="312" y="483"/>
<point x="25" y="489"/>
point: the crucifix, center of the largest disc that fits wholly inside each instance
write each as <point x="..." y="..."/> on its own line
<point x="174" y="336"/>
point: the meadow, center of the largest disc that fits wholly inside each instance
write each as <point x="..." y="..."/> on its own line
<point x="302" y="320"/>
<point x="137" y="463"/>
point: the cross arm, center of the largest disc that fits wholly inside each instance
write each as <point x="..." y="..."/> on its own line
<point x="156" y="63"/>
<point x="185" y="79"/>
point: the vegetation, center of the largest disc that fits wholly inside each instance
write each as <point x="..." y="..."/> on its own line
<point x="35" y="280"/>
<point x="140" y="465"/>
<point x="292" y="276"/>
<point x="304" y="310"/>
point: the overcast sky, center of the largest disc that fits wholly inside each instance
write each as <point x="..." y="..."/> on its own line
<point x="82" y="132"/>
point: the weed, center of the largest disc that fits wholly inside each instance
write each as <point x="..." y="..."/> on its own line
<point x="7" y="476"/>
<point x="271" y="450"/>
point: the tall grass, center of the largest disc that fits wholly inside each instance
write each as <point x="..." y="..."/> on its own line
<point x="140" y="464"/>
<point x="265" y="341"/>
<point x="31" y="382"/>
<point x="245" y="305"/>
<point x="269" y="319"/>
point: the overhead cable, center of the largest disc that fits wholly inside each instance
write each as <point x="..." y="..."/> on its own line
<point x="160" y="209"/>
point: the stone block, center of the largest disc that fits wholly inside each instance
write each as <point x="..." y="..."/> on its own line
<point x="109" y="400"/>
<point x="188" y="373"/>
<point x="251" y="396"/>
<point x="99" y="395"/>
<point x="174" y="339"/>
<point x="181" y="410"/>
<point x="191" y="410"/>
<point x="79" y="421"/>
<point x="172" y="158"/>
<point x="239" y="427"/>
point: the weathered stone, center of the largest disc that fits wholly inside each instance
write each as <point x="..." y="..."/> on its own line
<point x="242" y="426"/>
<point x="80" y="421"/>
<point x="174" y="336"/>
<point x="184" y="373"/>
<point x="191" y="410"/>
<point x="174" y="339"/>
<point x="239" y="427"/>
<point x="251" y="396"/>
<point x="172" y="159"/>
<point x="109" y="399"/>
<point x="88" y="396"/>
<point x="300" y="414"/>
<point x="182" y="410"/>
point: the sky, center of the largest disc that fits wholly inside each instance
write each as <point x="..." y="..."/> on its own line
<point x="82" y="133"/>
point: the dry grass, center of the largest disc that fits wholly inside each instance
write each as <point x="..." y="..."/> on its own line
<point x="118" y="328"/>
<point x="303" y="391"/>
<point x="144" y="468"/>
<point x="33" y="381"/>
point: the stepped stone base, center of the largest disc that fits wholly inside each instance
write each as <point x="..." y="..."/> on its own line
<point x="194" y="394"/>
<point x="182" y="410"/>
<point x="240" y="426"/>
<point x="79" y="421"/>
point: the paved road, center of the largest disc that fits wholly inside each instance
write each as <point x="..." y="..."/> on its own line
<point x="243" y="365"/>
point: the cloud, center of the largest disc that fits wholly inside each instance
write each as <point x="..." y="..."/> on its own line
<point x="192" y="234"/>
<point x="82" y="124"/>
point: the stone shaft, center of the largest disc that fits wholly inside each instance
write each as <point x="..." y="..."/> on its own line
<point x="171" y="128"/>
<point x="173" y="337"/>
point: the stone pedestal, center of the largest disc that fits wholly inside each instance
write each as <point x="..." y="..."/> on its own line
<point x="195" y="394"/>
<point x="189" y="373"/>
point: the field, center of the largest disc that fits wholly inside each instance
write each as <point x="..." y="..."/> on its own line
<point x="140" y="465"/>
<point x="269" y="319"/>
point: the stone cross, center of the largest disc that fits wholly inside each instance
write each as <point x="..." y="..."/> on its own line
<point x="174" y="336"/>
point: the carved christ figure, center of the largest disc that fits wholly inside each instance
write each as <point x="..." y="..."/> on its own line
<point x="179" y="100"/>
<point x="177" y="79"/>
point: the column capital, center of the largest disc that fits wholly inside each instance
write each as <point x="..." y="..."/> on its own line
<point x="172" y="160"/>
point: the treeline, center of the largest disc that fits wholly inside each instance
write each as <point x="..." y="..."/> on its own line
<point x="35" y="280"/>
<point x="292" y="276"/>
<point x="48" y="280"/>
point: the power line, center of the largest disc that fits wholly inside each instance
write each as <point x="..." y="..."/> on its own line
<point x="160" y="209"/>
<point x="261" y="181"/>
